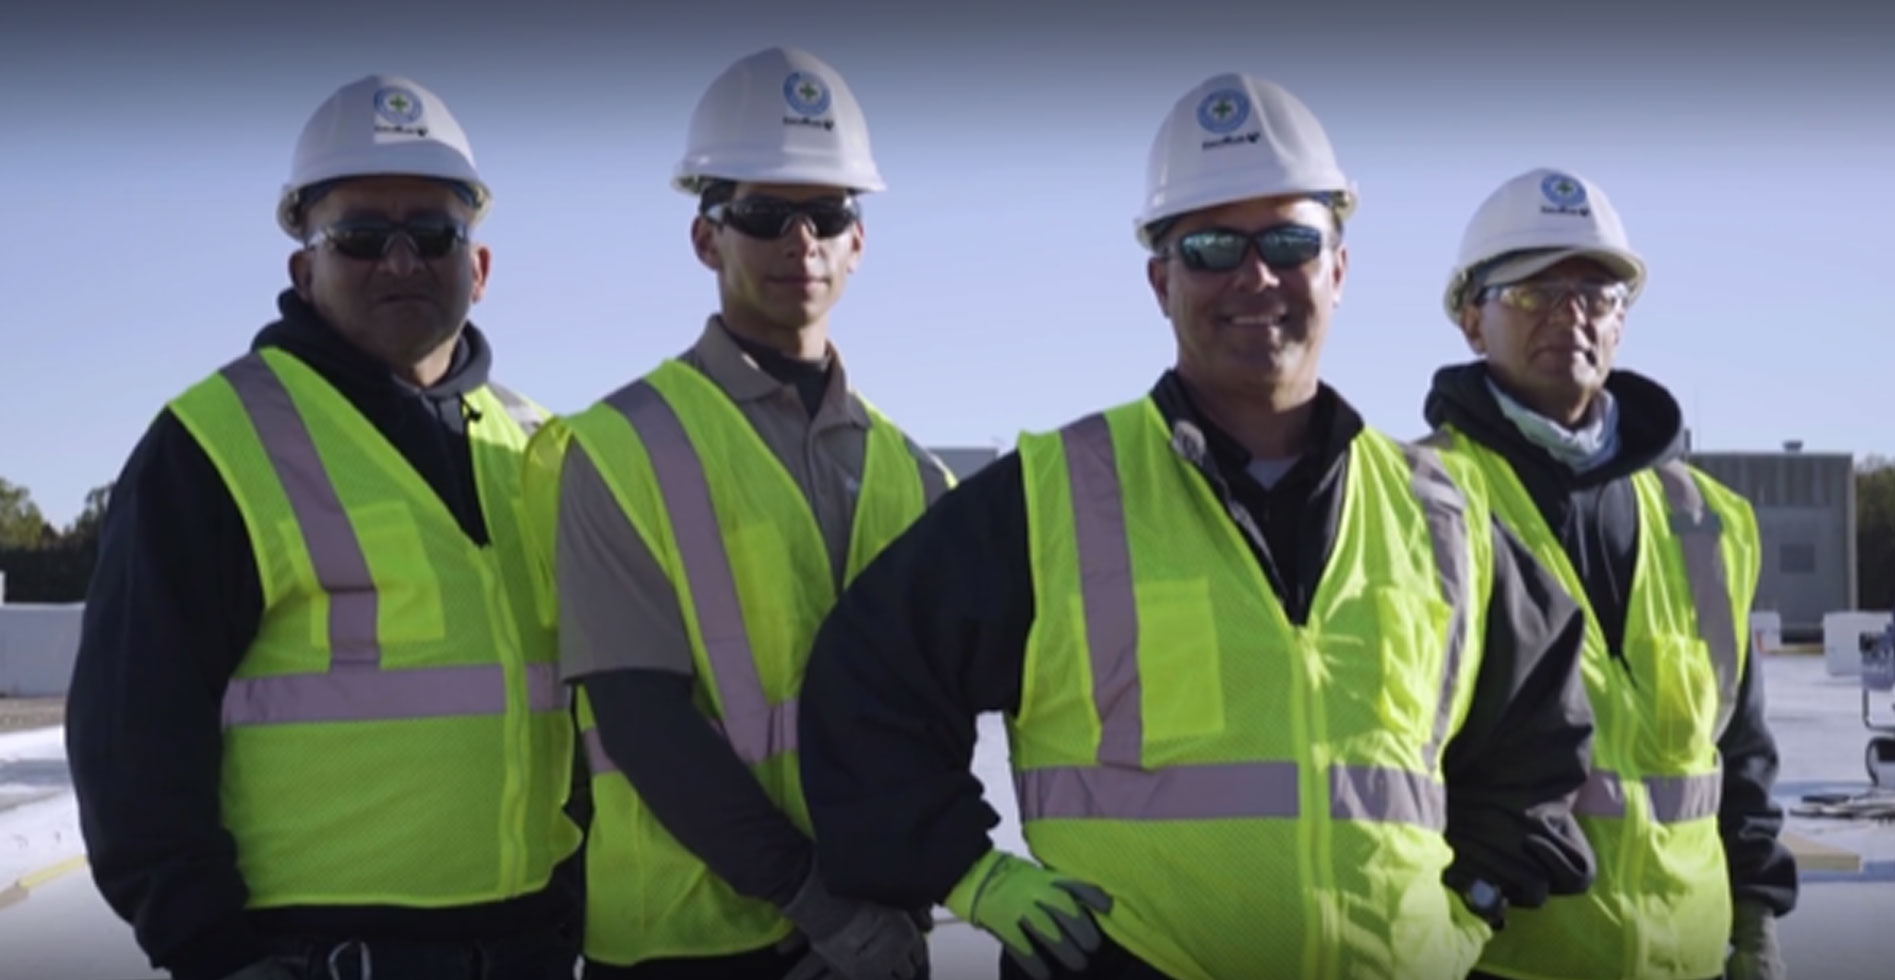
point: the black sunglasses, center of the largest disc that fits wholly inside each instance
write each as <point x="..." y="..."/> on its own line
<point x="1282" y="247"/>
<point x="759" y="216"/>
<point x="369" y="239"/>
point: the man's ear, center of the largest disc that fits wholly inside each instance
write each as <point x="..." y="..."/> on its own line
<point x="483" y="267"/>
<point x="1471" y="329"/>
<point x="1158" y="274"/>
<point x="1339" y="275"/>
<point x="299" y="273"/>
<point x="857" y="236"/>
<point x="704" y="243"/>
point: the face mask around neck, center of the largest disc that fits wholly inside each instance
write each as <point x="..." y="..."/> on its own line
<point x="1586" y="448"/>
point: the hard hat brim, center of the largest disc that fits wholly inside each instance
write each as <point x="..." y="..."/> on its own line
<point x="289" y="204"/>
<point x="1343" y="199"/>
<point x="1623" y="263"/>
<point x="691" y="180"/>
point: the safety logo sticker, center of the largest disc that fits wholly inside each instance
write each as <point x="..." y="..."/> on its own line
<point x="398" y="110"/>
<point x="1222" y="113"/>
<point x="808" y="98"/>
<point x="1564" y="195"/>
<point x="806" y="93"/>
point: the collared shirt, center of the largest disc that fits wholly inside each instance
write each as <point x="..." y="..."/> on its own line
<point x="617" y="607"/>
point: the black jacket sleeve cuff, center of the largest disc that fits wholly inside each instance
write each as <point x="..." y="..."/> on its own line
<point x="224" y="949"/>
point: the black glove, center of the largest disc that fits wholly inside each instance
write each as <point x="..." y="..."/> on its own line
<point x="853" y="940"/>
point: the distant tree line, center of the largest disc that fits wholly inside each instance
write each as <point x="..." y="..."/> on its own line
<point x="1875" y="533"/>
<point x="48" y="564"/>
<point x="43" y="563"/>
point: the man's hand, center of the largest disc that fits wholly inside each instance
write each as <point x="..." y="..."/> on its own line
<point x="1029" y="908"/>
<point x="851" y="940"/>
<point x="1756" y="955"/>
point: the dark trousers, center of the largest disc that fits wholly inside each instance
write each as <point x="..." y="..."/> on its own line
<point x="759" y="964"/>
<point x="538" y="957"/>
<point x="1111" y="962"/>
<point x="1477" y="975"/>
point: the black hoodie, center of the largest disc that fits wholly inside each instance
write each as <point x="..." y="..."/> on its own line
<point x="171" y="610"/>
<point x="1595" y="517"/>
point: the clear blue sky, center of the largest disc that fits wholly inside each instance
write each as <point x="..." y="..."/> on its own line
<point x="1753" y="159"/>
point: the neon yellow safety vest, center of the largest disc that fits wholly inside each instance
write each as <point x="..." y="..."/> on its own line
<point x="1259" y="798"/>
<point x="730" y="526"/>
<point x="1660" y="908"/>
<point x="396" y="733"/>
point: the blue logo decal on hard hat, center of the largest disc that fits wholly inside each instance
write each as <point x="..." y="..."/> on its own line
<point x="1224" y="110"/>
<point x="806" y="93"/>
<point x="397" y="105"/>
<point x="1563" y="191"/>
<point x="1564" y="194"/>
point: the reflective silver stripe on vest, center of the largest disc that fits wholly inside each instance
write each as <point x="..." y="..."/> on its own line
<point x="1118" y="787"/>
<point x="355" y="688"/>
<point x="518" y="409"/>
<point x="1446" y="513"/>
<point x="1698" y="529"/>
<point x="1673" y="798"/>
<point x="755" y="728"/>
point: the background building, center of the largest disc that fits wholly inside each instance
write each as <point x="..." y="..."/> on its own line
<point x="1806" y="515"/>
<point x="965" y="461"/>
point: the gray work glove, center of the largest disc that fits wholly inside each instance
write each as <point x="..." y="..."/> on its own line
<point x="853" y="940"/>
<point x="1755" y="954"/>
<point x="273" y="968"/>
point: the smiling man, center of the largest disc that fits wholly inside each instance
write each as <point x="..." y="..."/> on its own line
<point x="1585" y="462"/>
<point x="314" y="727"/>
<point x="1282" y="700"/>
<point x="697" y="525"/>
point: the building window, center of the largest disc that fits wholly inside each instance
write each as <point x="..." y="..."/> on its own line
<point x="1796" y="558"/>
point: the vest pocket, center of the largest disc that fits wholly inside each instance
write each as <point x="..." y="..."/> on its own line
<point x="1679" y="688"/>
<point x="1179" y="674"/>
<point x="1412" y="629"/>
<point x="772" y="601"/>
<point x="408" y="595"/>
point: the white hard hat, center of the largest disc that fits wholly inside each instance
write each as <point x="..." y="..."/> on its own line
<point x="380" y="125"/>
<point x="1232" y="138"/>
<point x="1549" y="216"/>
<point x="781" y="115"/>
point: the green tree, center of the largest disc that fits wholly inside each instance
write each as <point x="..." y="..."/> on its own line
<point x="21" y="524"/>
<point x="1875" y="533"/>
<point x="84" y="529"/>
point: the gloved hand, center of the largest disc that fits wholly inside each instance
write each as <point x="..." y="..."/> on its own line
<point x="1013" y="899"/>
<point x="853" y="940"/>
<point x="266" y="969"/>
<point x="1755" y="955"/>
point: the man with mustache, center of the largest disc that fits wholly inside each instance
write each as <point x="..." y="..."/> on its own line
<point x="1282" y="699"/>
<point x="698" y="524"/>
<point x="1585" y="462"/>
<point x="315" y="727"/>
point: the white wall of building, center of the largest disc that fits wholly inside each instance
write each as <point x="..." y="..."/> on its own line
<point x="38" y="644"/>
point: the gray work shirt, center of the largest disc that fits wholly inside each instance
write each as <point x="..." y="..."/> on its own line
<point x="617" y="608"/>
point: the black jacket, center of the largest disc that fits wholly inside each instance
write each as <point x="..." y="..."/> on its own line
<point x="1596" y="519"/>
<point x="934" y="633"/>
<point x="172" y="607"/>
